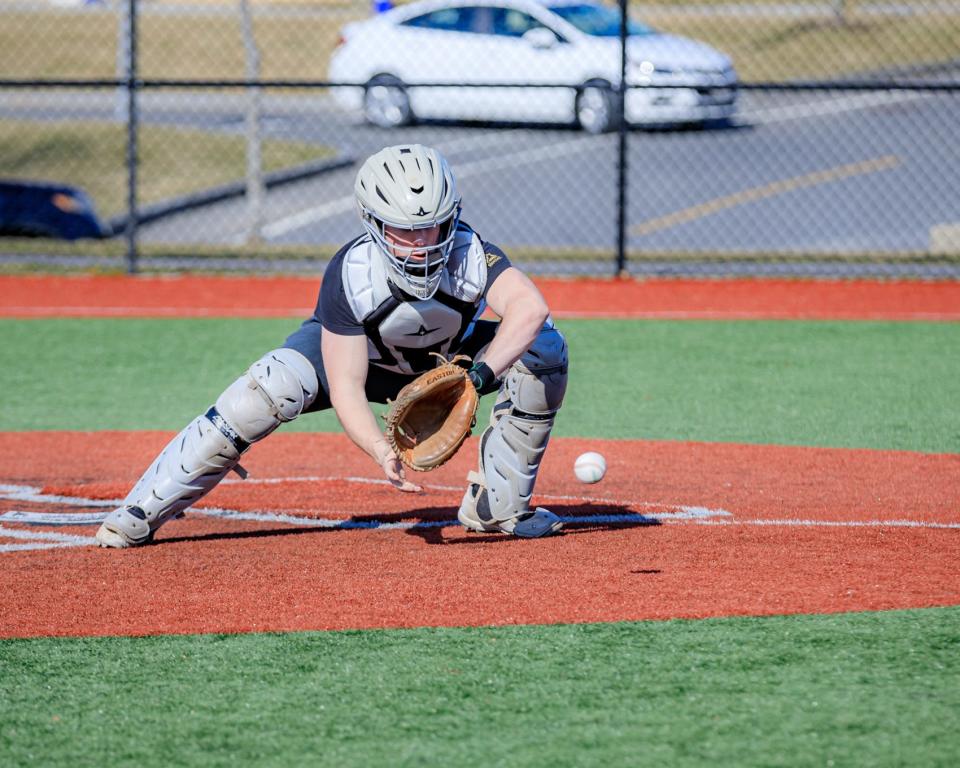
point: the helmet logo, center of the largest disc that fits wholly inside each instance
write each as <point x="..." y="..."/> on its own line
<point x="421" y="212"/>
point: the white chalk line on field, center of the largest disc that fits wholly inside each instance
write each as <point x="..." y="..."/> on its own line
<point x="801" y="523"/>
<point x="697" y="515"/>
<point x="34" y="495"/>
<point x="42" y="540"/>
<point x="454" y="488"/>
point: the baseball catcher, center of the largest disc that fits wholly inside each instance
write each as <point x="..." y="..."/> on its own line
<point x="397" y="302"/>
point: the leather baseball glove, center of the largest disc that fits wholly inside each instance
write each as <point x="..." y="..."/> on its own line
<point x="432" y="416"/>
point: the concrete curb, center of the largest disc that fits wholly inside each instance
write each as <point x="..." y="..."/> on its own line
<point x="155" y="211"/>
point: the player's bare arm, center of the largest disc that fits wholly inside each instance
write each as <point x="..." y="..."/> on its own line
<point x="522" y="310"/>
<point x="346" y="365"/>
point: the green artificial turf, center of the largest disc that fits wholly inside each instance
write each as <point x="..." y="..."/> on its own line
<point x="843" y="384"/>
<point x="877" y="689"/>
<point x="872" y="689"/>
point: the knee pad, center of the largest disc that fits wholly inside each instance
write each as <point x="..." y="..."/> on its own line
<point x="537" y="382"/>
<point x="512" y="447"/>
<point x="274" y="390"/>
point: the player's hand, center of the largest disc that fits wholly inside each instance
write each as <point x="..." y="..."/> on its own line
<point x="394" y="471"/>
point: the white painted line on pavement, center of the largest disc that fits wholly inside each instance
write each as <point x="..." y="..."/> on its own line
<point x="287" y="224"/>
<point x="833" y="106"/>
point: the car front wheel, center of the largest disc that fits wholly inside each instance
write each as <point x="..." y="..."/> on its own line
<point x="386" y="103"/>
<point x="596" y="107"/>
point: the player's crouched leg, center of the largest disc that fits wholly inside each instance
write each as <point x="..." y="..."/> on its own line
<point x="275" y="389"/>
<point x="512" y="447"/>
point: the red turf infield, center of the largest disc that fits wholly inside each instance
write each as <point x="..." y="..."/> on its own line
<point x="808" y="530"/>
<point x="198" y="296"/>
<point x="742" y="529"/>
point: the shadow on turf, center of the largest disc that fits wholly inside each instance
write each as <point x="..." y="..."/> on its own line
<point x="582" y="513"/>
<point x="435" y="534"/>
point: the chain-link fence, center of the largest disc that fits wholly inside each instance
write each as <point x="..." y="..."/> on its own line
<point x="761" y="137"/>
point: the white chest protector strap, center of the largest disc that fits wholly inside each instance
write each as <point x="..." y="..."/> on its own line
<point x="512" y="447"/>
<point x="275" y="389"/>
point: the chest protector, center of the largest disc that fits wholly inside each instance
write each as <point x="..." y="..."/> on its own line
<point x="402" y="331"/>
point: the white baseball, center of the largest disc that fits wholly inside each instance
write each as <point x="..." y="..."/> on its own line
<point x="590" y="467"/>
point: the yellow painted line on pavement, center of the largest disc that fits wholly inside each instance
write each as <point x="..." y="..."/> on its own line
<point x="762" y="193"/>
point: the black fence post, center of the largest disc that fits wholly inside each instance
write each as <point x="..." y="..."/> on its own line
<point x="132" y="121"/>
<point x="622" y="146"/>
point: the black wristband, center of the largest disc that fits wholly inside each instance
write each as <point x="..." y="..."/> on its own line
<point x="481" y="375"/>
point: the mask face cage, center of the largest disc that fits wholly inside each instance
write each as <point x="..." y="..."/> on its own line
<point x="416" y="269"/>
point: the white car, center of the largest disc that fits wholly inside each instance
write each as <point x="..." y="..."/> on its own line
<point x="493" y="43"/>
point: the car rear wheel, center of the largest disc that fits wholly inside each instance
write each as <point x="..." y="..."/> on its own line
<point x="386" y="103"/>
<point x="596" y="107"/>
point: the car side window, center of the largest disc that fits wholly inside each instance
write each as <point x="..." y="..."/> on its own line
<point x="510" y="22"/>
<point x="447" y="19"/>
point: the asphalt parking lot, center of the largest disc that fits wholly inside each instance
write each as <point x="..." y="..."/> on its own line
<point x="794" y="173"/>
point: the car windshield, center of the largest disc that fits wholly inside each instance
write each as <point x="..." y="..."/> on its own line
<point x="598" y="20"/>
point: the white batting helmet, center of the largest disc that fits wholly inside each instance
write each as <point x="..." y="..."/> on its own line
<point x="410" y="186"/>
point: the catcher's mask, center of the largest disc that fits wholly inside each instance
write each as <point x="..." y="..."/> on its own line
<point x="410" y="187"/>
